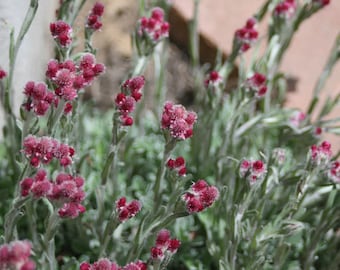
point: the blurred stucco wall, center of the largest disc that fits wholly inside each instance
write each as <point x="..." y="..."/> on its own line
<point x="304" y="59"/>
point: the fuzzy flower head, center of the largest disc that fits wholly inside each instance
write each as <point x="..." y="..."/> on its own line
<point x="200" y="196"/>
<point x="93" y="21"/>
<point x="213" y="79"/>
<point x="126" y="100"/>
<point x="334" y="171"/>
<point x="257" y="84"/>
<point x="253" y="170"/>
<point x="61" y="32"/>
<point x="178" y="165"/>
<point x="101" y="264"/>
<point x="297" y="119"/>
<point x="127" y="210"/>
<point x="246" y="35"/>
<point x="164" y="246"/>
<point x="38" y="98"/>
<point x="178" y="121"/>
<point x="3" y="73"/>
<point x="66" y="190"/>
<point x="44" y="149"/>
<point x="285" y="9"/>
<point x="154" y="27"/>
<point x="15" y="255"/>
<point x="320" y="154"/>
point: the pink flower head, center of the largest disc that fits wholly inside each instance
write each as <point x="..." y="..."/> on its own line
<point x="68" y="77"/>
<point x="61" y="32"/>
<point x="71" y="210"/>
<point x="257" y="84"/>
<point x="247" y="35"/>
<point x="334" y="171"/>
<point x="297" y="119"/>
<point x="94" y="18"/>
<point x="134" y="87"/>
<point x="154" y="27"/>
<point x="253" y="170"/>
<point x="321" y="154"/>
<point x="139" y="265"/>
<point x="200" y="196"/>
<point x="101" y="264"/>
<point x="164" y="245"/>
<point x="44" y="149"/>
<point x="15" y="255"/>
<point x="38" y="98"/>
<point x="318" y="131"/>
<point x="3" y="73"/>
<point x="214" y="79"/>
<point x="127" y="210"/>
<point x="285" y="9"/>
<point x="178" y="121"/>
<point x="178" y="165"/>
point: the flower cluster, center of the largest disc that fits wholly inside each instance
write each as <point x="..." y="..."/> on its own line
<point x="334" y="171"/>
<point x="94" y="19"/>
<point x="66" y="190"/>
<point x="69" y="78"/>
<point x="44" y="149"/>
<point x="164" y="246"/>
<point x="15" y="255"/>
<point x="178" y="165"/>
<point x="3" y="73"/>
<point x="246" y="35"/>
<point x="39" y="98"/>
<point x="155" y="28"/>
<point x="285" y="9"/>
<point x="106" y="264"/>
<point x="297" y="119"/>
<point x="61" y="32"/>
<point x="321" y="154"/>
<point x="257" y="84"/>
<point x="200" y="196"/>
<point x="126" y="100"/>
<point x="252" y="170"/>
<point x="214" y="79"/>
<point x="178" y="121"/>
<point x="127" y="210"/>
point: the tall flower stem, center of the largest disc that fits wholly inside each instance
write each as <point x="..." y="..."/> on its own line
<point x="169" y="146"/>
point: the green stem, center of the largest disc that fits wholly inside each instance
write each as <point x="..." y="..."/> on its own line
<point x="169" y="146"/>
<point x="111" y="225"/>
<point x="52" y="224"/>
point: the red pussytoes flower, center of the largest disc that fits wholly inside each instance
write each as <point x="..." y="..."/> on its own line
<point x="164" y="245"/>
<point x="155" y="28"/>
<point x="257" y="84"/>
<point x="200" y="196"/>
<point x="127" y="210"/>
<point x="127" y="99"/>
<point x="213" y="79"/>
<point x="94" y="19"/>
<point x="15" y="255"/>
<point x="178" y="121"/>
<point x="285" y="9"/>
<point x="334" y="171"/>
<point x="3" y="73"/>
<point x="321" y="154"/>
<point x="246" y="35"/>
<point x="61" y="32"/>
<point x="178" y="165"/>
<point x="253" y="170"/>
